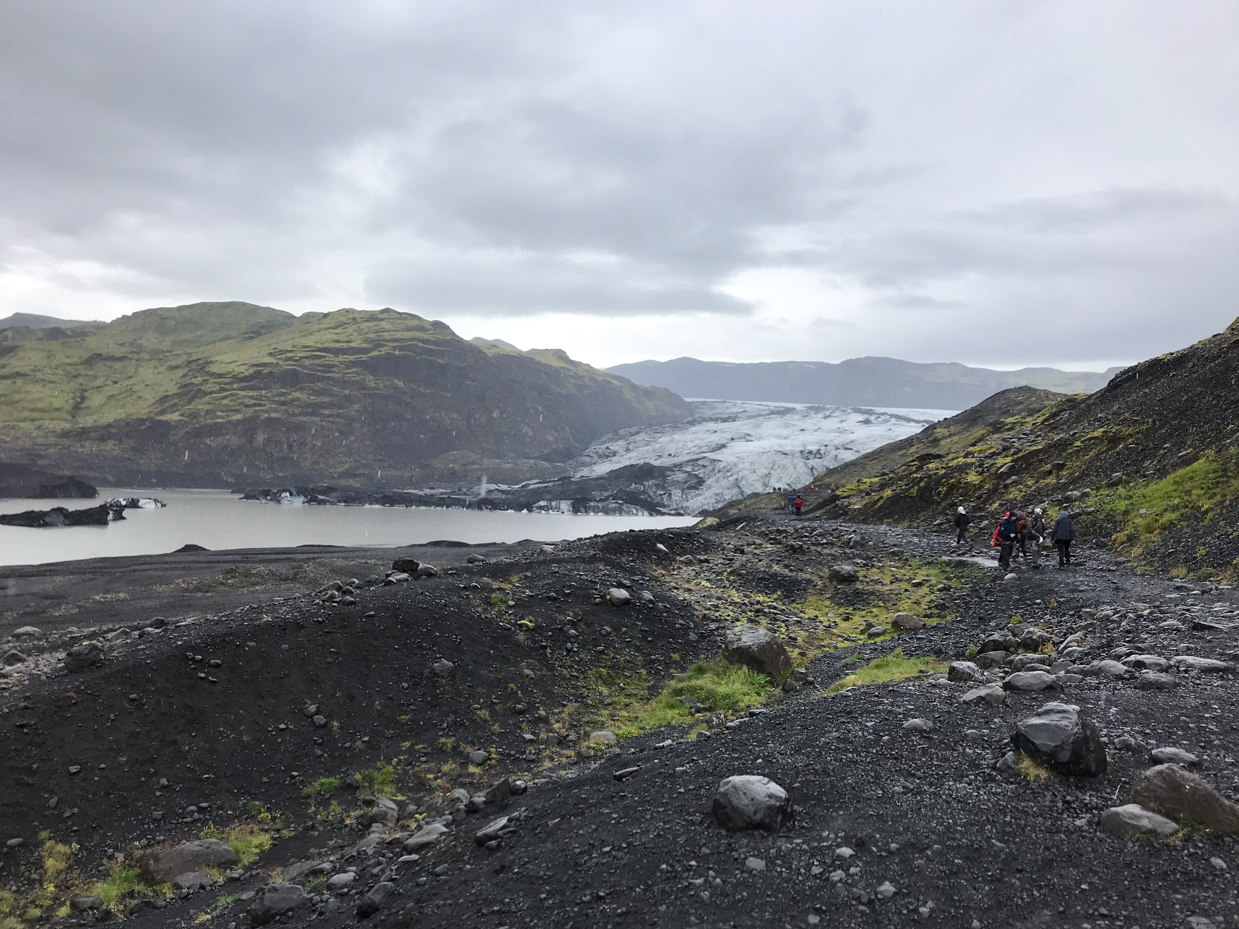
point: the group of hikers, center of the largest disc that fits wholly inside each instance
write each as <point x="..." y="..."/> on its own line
<point x="1016" y="529"/>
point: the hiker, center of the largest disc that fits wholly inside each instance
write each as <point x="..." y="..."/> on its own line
<point x="962" y="520"/>
<point x="1004" y="538"/>
<point x="798" y="503"/>
<point x="1063" y="535"/>
<point x="1021" y="533"/>
<point x="1036" y="529"/>
<point x="791" y="502"/>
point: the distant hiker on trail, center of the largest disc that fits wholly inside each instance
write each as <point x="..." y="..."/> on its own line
<point x="798" y="503"/>
<point x="1021" y="533"/>
<point x="962" y="521"/>
<point x="1063" y="535"/>
<point x="1036" y="529"/>
<point x="1004" y="537"/>
<point x="791" y="502"/>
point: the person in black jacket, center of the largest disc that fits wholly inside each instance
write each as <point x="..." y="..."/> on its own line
<point x="1063" y="535"/>
<point x="1036" y="531"/>
<point x="962" y="521"/>
<point x="1005" y="537"/>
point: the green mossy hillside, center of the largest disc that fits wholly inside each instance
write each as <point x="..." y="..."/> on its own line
<point x="237" y="393"/>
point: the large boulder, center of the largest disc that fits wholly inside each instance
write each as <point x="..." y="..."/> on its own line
<point x="993" y="694"/>
<point x="275" y="900"/>
<point x="907" y="622"/>
<point x="188" y="856"/>
<point x="1062" y="739"/>
<point x="844" y="574"/>
<point x="405" y="565"/>
<point x="759" y="649"/>
<point x="1193" y="663"/>
<point x="619" y="596"/>
<point x="1029" y="681"/>
<point x="1186" y="798"/>
<point x="81" y="657"/>
<point x="1132" y="821"/>
<point x="749" y="801"/>
<point x="964" y="672"/>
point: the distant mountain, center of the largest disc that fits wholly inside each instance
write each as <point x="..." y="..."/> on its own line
<point x="877" y="382"/>
<point x="35" y="321"/>
<point x="224" y="393"/>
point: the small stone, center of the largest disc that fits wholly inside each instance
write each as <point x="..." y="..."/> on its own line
<point x="372" y="902"/>
<point x="619" y="597"/>
<point x="1030" y="681"/>
<point x="844" y="853"/>
<point x="964" y="672"/>
<point x="918" y="725"/>
<point x="1169" y="755"/>
<point x="1155" y="680"/>
<point x="1218" y="863"/>
<point x="755" y="864"/>
<point x="84" y="904"/>
<point x="442" y="668"/>
<point x="478" y="757"/>
<point x="602" y="735"/>
<point x="341" y="881"/>
<point x="907" y="621"/>
<point x="886" y="890"/>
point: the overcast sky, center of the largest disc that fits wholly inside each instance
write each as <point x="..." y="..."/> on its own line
<point x="998" y="183"/>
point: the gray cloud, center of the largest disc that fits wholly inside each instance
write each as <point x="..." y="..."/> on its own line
<point x="845" y="178"/>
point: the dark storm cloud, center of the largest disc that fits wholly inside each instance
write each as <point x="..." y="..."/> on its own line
<point x="885" y="174"/>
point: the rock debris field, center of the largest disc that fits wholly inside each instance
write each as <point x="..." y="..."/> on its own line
<point x="487" y="742"/>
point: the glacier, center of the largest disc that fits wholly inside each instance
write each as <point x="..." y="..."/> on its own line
<point x="731" y="449"/>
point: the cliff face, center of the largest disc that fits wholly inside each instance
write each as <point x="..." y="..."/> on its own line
<point x="220" y="393"/>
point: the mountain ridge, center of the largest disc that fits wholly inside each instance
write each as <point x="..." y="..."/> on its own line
<point x="867" y="381"/>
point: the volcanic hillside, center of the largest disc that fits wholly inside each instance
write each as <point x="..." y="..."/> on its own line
<point x="231" y="392"/>
<point x="1149" y="464"/>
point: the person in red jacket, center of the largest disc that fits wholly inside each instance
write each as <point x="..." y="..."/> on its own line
<point x="798" y="503"/>
<point x="1005" y="537"/>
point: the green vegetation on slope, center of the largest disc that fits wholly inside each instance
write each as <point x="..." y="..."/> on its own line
<point x="894" y="667"/>
<point x="247" y="393"/>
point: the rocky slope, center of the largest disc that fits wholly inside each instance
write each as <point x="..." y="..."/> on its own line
<point x="423" y="753"/>
<point x="1149" y="463"/>
<point x="213" y="394"/>
<point x="880" y="382"/>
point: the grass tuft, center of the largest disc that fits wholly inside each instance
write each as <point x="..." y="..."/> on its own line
<point x="1033" y="770"/>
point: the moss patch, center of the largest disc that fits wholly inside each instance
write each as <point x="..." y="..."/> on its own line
<point x="717" y="685"/>
<point x="894" y="667"/>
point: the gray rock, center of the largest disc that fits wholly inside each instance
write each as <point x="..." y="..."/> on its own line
<point x="876" y="632"/>
<point x="1132" y="821"/>
<point x="499" y="791"/>
<point x="275" y="900"/>
<point x="1155" y="680"/>
<point x="602" y="735"/>
<point x="844" y="574"/>
<point x="84" y="656"/>
<point x="300" y="869"/>
<point x="188" y="856"/>
<point x="319" y="721"/>
<point x="475" y="559"/>
<point x="1192" y="663"/>
<point x="918" y="725"/>
<point x="749" y="801"/>
<point x="1030" y="681"/>
<point x="385" y="812"/>
<point x="886" y="890"/>
<point x="991" y="659"/>
<point x="427" y="570"/>
<point x="907" y="621"/>
<point x="426" y="836"/>
<point x="1186" y="798"/>
<point x="495" y="830"/>
<point x="26" y="632"/>
<point x="83" y="904"/>
<point x="619" y="597"/>
<point x="992" y="694"/>
<point x="760" y="650"/>
<point x="193" y="880"/>
<point x="1107" y="668"/>
<point x="341" y="881"/>
<point x="12" y="659"/>
<point x="443" y="668"/>
<point x="1170" y="755"/>
<point x="755" y="864"/>
<point x="477" y="756"/>
<point x="1010" y="578"/>
<point x="372" y="902"/>
<point x="1061" y="738"/>
<point x="1147" y="662"/>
